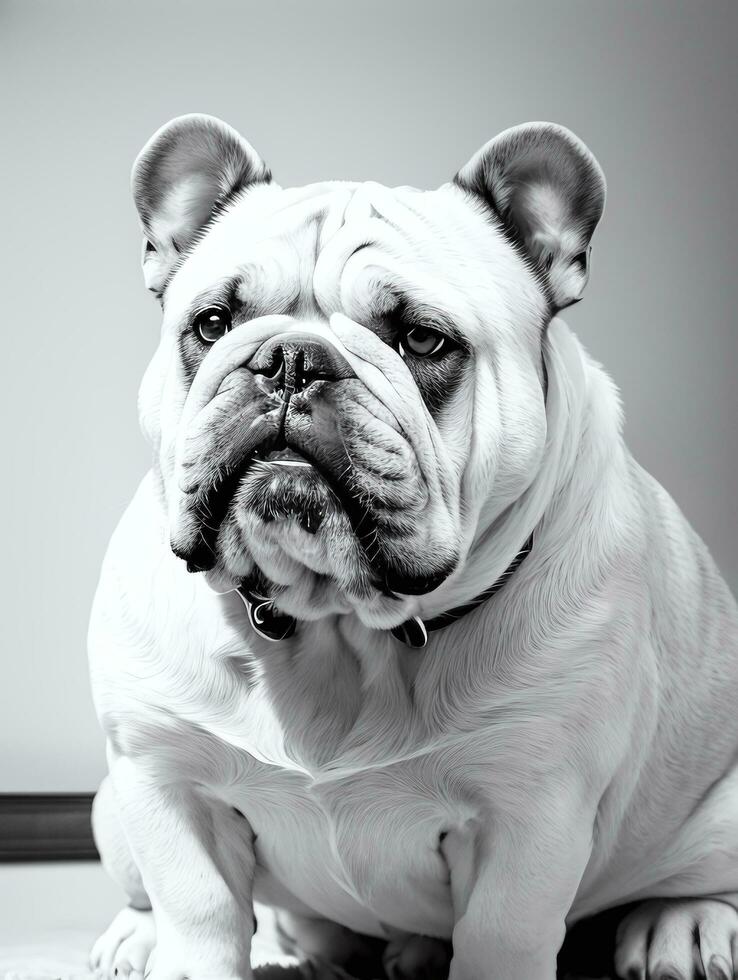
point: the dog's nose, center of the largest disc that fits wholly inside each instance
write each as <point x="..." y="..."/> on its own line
<point x="293" y="361"/>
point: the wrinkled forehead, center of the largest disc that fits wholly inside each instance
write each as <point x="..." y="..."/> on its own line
<point x="344" y="247"/>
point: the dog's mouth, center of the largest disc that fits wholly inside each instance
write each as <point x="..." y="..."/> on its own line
<point x="282" y="457"/>
<point x="323" y="482"/>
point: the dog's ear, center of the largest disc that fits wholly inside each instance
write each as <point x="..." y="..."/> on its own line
<point x="187" y="171"/>
<point x="548" y="191"/>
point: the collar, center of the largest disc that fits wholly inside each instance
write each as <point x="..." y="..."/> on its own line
<point x="414" y="632"/>
<point x="270" y="624"/>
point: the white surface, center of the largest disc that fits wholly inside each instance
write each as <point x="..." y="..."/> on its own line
<point x="43" y="897"/>
<point x="51" y="913"/>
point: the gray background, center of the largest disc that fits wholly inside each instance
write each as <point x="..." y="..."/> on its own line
<point x="400" y="92"/>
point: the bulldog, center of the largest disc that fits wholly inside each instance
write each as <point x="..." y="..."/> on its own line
<point x="396" y="636"/>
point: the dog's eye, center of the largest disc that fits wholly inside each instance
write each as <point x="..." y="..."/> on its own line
<point x="422" y="342"/>
<point x="212" y="323"/>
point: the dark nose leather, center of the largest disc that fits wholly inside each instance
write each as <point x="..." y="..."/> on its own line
<point x="293" y="361"/>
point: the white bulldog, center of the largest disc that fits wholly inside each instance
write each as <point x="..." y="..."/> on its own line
<point x="457" y="667"/>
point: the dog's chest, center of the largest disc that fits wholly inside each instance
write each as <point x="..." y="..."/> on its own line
<point x="362" y="850"/>
<point x="350" y="824"/>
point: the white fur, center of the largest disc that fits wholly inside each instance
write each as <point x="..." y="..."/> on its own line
<point x="574" y="738"/>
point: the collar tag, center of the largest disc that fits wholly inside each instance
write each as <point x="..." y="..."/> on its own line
<point x="265" y="620"/>
<point x="412" y="632"/>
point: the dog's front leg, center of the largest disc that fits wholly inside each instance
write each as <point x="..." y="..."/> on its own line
<point x="196" y="860"/>
<point x="513" y="880"/>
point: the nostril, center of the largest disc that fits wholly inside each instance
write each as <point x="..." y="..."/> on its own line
<point x="276" y="366"/>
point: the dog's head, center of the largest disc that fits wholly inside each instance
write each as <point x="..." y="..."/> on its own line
<point x="349" y="383"/>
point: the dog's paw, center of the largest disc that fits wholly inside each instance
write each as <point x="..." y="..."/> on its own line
<point x="678" y="940"/>
<point x="124" y="948"/>
<point x="417" y="958"/>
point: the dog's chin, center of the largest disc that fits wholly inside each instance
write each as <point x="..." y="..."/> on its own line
<point x="283" y="487"/>
<point x="285" y="525"/>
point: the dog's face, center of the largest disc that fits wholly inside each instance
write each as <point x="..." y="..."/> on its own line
<point x="349" y="385"/>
